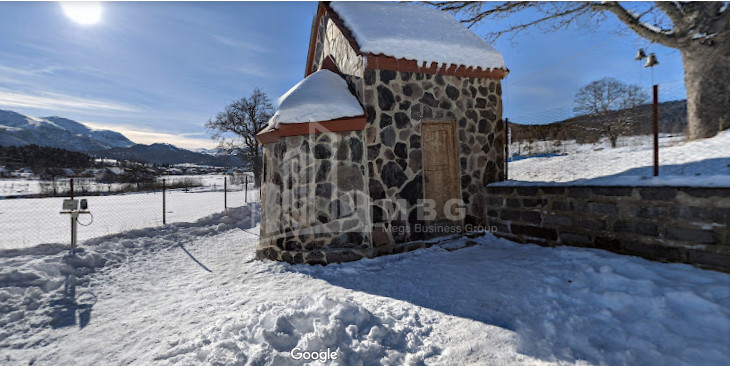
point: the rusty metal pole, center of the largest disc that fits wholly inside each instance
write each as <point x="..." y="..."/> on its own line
<point x="164" y="204"/>
<point x="656" y="130"/>
<point x="506" y="148"/>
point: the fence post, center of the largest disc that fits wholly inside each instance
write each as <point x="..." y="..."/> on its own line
<point x="225" y="192"/>
<point x="164" y="204"/>
<point x="656" y="130"/>
<point x="73" y="227"/>
<point x="54" y="186"/>
<point x="245" y="197"/>
<point x="506" y="148"/>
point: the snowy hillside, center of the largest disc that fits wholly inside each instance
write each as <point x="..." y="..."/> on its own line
<point x="703" y="162"/>
<point x="18" y="129"/>
<point x="192" y="294"/>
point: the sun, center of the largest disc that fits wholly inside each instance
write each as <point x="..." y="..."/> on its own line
<point x="82" y="12"/>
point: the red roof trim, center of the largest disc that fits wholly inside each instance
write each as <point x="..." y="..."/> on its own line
<point x="298" y="129"/>
<point x="384" y="62"/>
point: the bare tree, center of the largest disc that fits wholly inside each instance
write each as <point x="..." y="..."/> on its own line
<point x="236" y="127"/>
<point x="699" y="30"/>
<point x="611" y="102"/>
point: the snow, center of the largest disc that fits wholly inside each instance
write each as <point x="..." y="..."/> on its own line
<point x="31" y="221"/>
<point x="703" y="162"/>
<point x="24" y="187"/>
<point x="321" y="96"/>
<point x="415" y="33"/>
<point x="193" y="294"/>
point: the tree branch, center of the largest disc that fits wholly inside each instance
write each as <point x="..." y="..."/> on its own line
<point x="631" y="21"/>
<point x="574" y="12"/>
<point x="672" y="10"/>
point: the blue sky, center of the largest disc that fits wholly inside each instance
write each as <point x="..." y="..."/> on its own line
<point x="157" y="71"/>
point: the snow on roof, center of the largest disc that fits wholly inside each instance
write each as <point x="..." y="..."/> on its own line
<point x="415" y="33"/>
<point x="321" y="96"/>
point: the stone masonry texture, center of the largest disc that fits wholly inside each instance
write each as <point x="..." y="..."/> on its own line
<point x="673" y="224"/>
<point x="329" y="197"/>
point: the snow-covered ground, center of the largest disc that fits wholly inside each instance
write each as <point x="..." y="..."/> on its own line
<point x="526" y="148"/>
<point x="193" y="294"/>
<point x="31" y="221"/>
<point x="703" y="162"/>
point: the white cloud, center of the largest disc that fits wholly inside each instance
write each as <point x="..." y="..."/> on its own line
<point x="149" y="137"/>
<point x="237" y="43"/>
<point x="62" y="102"/>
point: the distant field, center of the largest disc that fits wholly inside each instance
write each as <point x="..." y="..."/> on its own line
<point x="26" y="222"/>
<point x="22" y="187"/>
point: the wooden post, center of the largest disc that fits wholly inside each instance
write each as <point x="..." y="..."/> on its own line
<point x="164" y="204"/>
<point x="656" y="130"/>
<point x="506" y="148"/>
<point x="245" y="198"/>
<point x="225" y="192"/>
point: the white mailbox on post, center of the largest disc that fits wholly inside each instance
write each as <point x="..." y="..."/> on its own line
<point x="74" y="208"/>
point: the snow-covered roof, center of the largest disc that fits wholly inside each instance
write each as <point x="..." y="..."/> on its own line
<point x="415" y="32"/>
<point x="321" y="96"/>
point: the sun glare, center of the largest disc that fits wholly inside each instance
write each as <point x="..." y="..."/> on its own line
<point x="82" y="12"/>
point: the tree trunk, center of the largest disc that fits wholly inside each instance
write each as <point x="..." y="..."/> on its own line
<point x="257" y="165"/>
<point x="707" y="79"/>
<point x="614" y="140"/>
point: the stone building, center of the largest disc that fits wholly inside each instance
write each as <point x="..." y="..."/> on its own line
<point x="389" y="140"/>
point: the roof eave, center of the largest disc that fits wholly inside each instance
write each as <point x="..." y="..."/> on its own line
<point x="343" y="124"/>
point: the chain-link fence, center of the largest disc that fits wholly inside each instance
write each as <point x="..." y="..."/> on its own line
<point x="30" y="209"/>
<point x="589" y="146"/>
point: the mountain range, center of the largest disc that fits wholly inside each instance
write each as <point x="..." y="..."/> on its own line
<point x="588" y="128"/>
<point x="18" y="130"/>
<point x="167" y="154"/>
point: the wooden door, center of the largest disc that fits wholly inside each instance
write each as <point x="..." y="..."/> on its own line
<point x="440" y="164"/>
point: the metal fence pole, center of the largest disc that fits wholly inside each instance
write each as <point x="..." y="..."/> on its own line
<point x="656" y="130"/>
<point x="245" y="198"/>
<point x="164" y="204"/>
<point x="225" y="192"/>
<point x="73" y="227"/>
<point x="506" y="148"/>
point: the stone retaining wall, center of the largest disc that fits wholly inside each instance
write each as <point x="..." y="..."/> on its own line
<point x="674" y="224"/>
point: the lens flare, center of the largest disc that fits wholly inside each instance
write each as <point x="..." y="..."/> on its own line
<point x="82" y="12"/>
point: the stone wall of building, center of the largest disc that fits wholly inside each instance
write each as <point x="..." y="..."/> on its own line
<point x="396" y="104"/>
<point x="314" y="205"/>
<point x="388" y="154"/>
<point x="331" y="42"/>
<point x="676" y="224"/>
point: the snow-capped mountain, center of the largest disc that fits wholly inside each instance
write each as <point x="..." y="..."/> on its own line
<point x="167" y="154"/>
<point x="217" y="151"/>
<point x="18" y="129"/>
